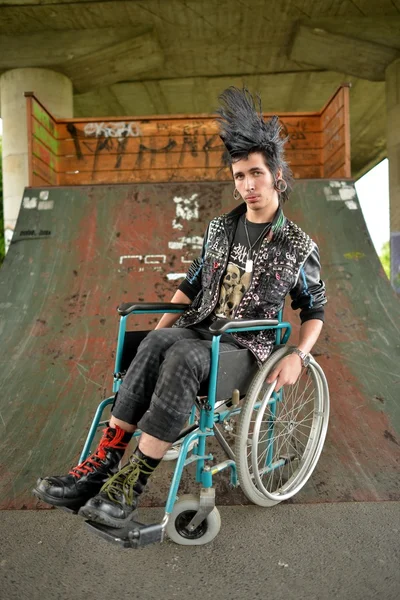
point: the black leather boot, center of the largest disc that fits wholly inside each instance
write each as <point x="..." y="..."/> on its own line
<point x="115" y="505"/>
<point x="86" y="479"/>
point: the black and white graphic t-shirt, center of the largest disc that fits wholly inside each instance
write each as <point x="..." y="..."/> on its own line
<point x="236" y="281"/>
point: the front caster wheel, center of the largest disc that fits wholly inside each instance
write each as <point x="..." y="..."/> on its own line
<point x="184" y="510"/>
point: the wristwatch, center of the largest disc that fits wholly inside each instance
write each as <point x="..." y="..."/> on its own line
<point x="305" y="358"/>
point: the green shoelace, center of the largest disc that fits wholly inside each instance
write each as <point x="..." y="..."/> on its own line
<point x="123" y="482"/>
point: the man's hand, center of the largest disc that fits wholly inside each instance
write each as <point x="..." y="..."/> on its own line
<point x="286" y="372"/>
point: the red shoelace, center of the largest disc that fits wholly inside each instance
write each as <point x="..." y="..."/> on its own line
<point x="108" y="440"/>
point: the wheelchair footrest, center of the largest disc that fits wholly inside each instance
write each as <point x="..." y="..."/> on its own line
<point x="134" y="535"/>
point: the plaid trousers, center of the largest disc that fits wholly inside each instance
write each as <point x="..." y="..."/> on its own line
<point x="161" y="384"/>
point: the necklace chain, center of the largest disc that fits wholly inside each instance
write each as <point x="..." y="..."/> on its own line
<point x="251" y="246"/>
<point x="249" y="261"/>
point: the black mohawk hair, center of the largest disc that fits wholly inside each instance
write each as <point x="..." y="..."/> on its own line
<point x="243" y="130"/>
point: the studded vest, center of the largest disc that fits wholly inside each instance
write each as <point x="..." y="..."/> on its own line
<point x="276" y="270"/>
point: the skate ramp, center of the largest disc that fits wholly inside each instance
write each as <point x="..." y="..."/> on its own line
<point x="78" y="252"/>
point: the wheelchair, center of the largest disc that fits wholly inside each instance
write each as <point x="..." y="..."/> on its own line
<point x="272" y="440"/>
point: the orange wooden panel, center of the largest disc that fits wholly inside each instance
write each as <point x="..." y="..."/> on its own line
<point x="182" y="144"/>
<point x="142" y="162"/>
<point x="44" y="171"/>
<point x="333" y="126"/>
<point x="340" y="173"/>
<point x="299" y="123"/>
<point x="143" y="176"/>
<point x="313" y="172"/>
<point x="166" y="175"/>
<point x="38" y="181"/>
<point x="290" y="117"/>
<point x="307" y="141"/>
<point x="29" y="101"/>
<point x="131" y="127"/>
<point x="45" y="137"/>
<point x="177" y="148"/>
<point x="189" y="144"/>
<point x="44" y="117"/>
<point x="336" y="135"/>
<point x="303" y="157"/>
<point x="45" y="155"/>
<point x="335" y="161"/>
<point x="332" y="108"/>
<point x="336" y="141"/>
<point x="347" y="147"/>
<point x="168" y="160"/>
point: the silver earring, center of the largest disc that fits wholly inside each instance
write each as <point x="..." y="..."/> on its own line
<point x="280" y="185"/>
<point x="236" y="194"/>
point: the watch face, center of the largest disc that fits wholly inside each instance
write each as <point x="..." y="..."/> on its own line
<point x="306" y="361"/>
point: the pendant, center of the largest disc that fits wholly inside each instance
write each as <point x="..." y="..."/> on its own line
<point x="249" y="266"/>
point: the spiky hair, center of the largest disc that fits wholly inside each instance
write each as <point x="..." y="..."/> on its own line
<point x="244" y="131"/>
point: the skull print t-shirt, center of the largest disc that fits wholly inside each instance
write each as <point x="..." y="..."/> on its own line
<point x="236" y="281"/>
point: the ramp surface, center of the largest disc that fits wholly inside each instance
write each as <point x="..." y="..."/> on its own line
<point x="78" y="252"/>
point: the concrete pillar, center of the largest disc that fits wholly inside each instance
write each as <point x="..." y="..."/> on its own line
<point x="393" y="153"/>
<point x="55" y="91"/>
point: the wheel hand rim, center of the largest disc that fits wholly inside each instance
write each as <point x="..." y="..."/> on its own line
<point x="305" y="456"/>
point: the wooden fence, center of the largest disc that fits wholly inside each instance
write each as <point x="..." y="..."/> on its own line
<point x="174" y="147"/>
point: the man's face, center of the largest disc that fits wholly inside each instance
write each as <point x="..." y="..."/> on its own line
<point x="254" y="181"/>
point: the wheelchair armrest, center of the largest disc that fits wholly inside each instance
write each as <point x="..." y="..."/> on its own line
<point x="128" y="307"/>
<point x="221" y="325"/>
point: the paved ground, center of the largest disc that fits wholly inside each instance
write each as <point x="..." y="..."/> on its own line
<point x="348" y="550"/>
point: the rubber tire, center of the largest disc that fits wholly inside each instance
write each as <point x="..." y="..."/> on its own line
<point x="192" y="502"/>
<point x="246" y="482"/>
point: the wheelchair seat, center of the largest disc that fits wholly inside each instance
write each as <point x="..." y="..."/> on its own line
<point x="236" y="369"/>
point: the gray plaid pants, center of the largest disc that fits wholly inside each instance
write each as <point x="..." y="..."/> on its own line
<point x="161" y="384"/>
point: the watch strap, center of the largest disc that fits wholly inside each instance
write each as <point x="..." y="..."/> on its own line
<point x="305" y="358"/>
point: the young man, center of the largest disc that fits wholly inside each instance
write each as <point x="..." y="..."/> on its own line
<point x="251" y="259"/>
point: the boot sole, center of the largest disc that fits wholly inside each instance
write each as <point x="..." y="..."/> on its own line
<point x="98" y="516"/>
<point x="60" y="502"/>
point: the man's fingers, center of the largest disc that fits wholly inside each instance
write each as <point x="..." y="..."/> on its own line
<point x="279" y="384"/>
<point x="274" y="375"/>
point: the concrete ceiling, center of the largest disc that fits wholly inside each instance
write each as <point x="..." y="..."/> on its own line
<point x="144" y="57"/>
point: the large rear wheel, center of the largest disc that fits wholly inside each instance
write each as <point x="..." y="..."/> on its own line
<point x="281" y="435"/>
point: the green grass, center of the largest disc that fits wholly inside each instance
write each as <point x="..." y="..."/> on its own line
<point x="385" y="258"/>
<point x="2" y="248"/>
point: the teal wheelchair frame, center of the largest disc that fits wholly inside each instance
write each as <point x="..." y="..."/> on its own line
<point x="193" y="437"/>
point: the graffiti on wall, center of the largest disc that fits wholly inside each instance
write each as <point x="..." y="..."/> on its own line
<point x="97" y="140"/>
<point x="127" y="148"/>
<point x="298" y="132"/>
<point x="114" y="130"/>
<point x="185" y="247"/>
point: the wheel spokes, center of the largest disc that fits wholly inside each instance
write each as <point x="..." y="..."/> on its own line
<point x="284" y="435"/>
